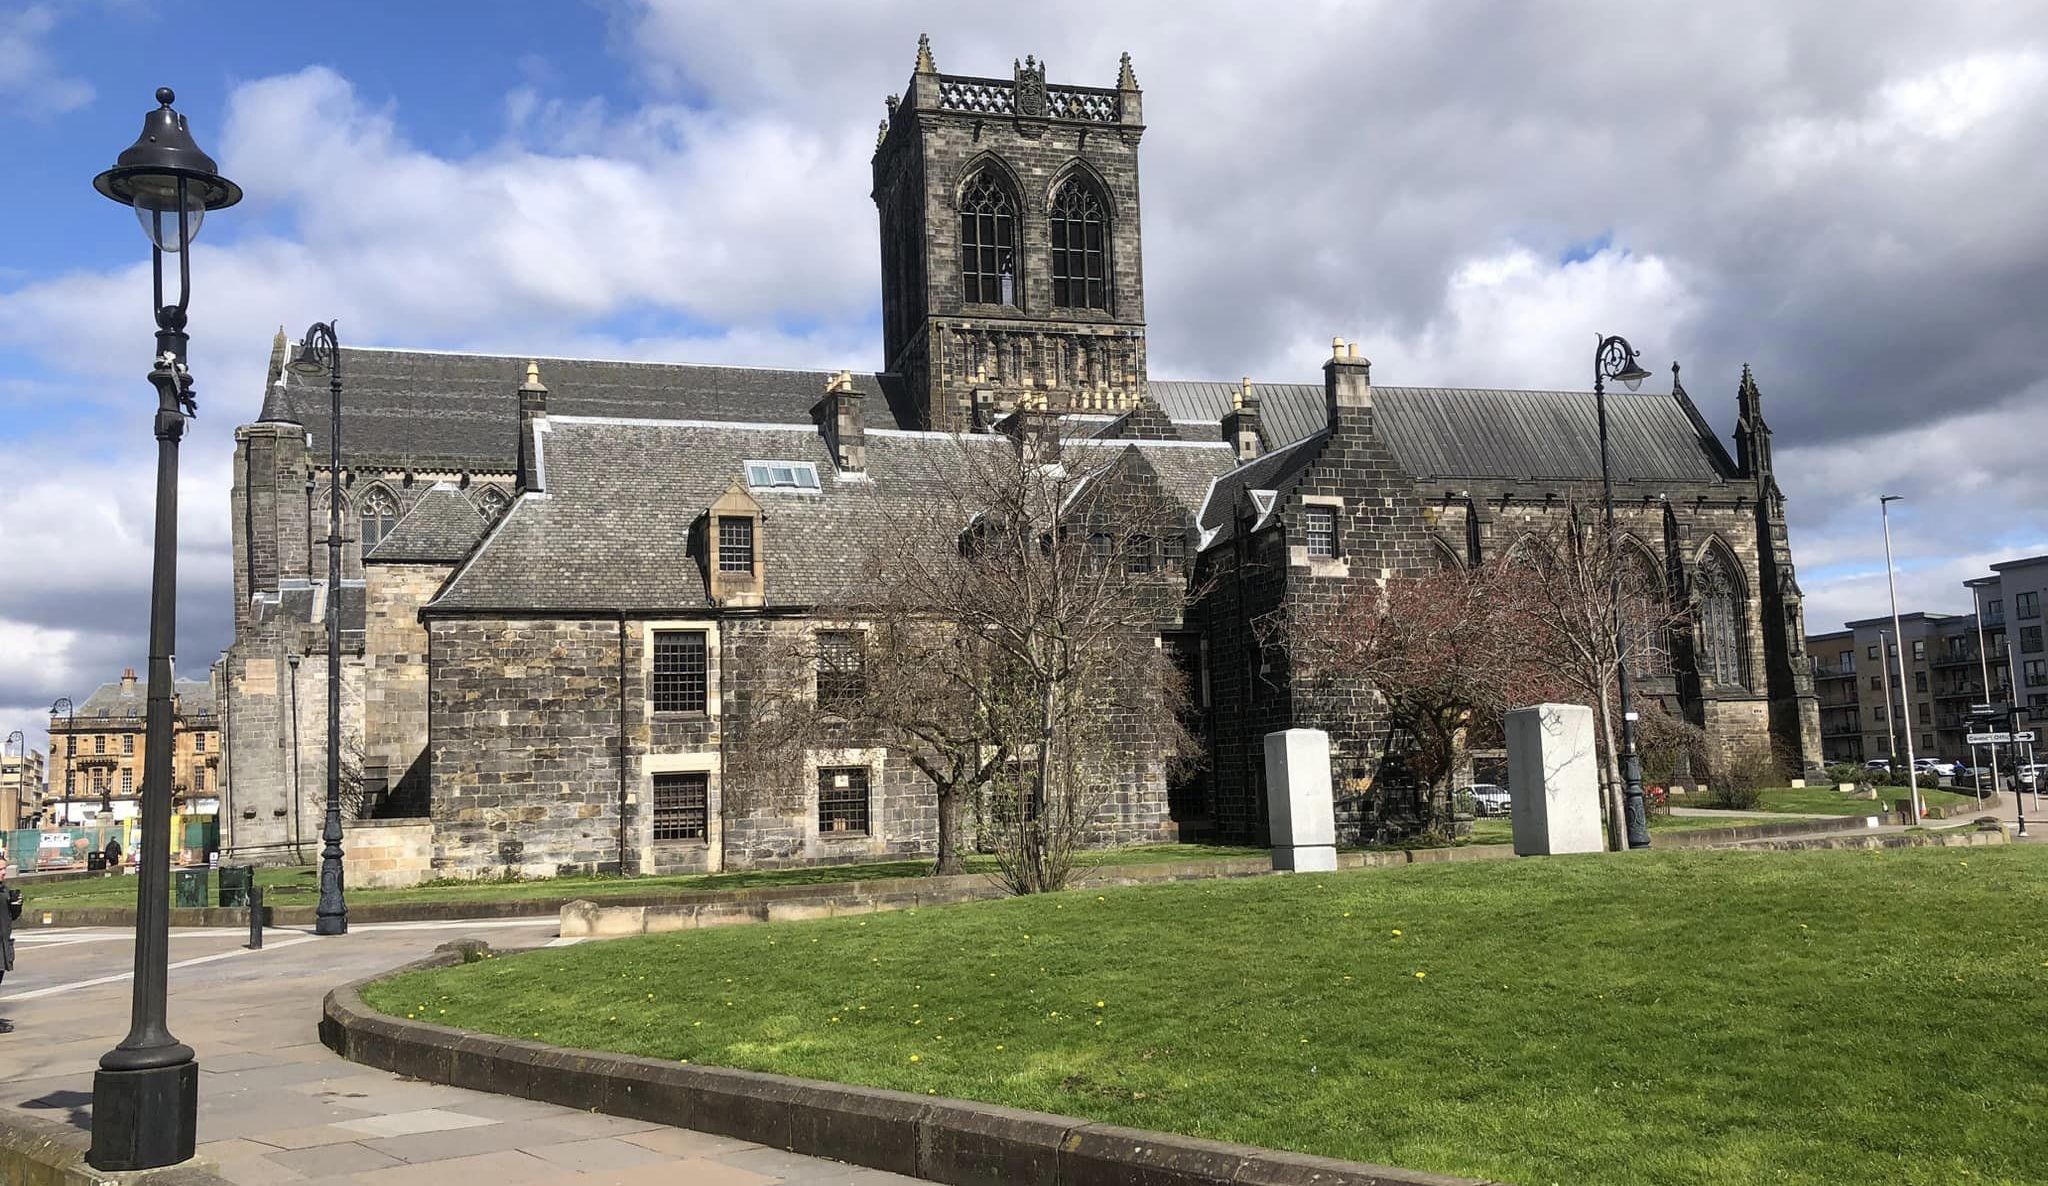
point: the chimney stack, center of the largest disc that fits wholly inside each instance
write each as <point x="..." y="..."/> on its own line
<point x="1241" y="424"/>
<point x="127" y="678"/>
<point x="1347" y="386"/>
<point x="1035" y="429"/>
<point x="533" y="418"/>
<point x="844" y="422"/>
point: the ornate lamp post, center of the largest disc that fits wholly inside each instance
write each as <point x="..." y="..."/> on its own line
<point x="1614" y="358"/>
<point x="19" y="741"/>
<point x="70" y="712"/>
<point x="146" y="1093"/>
<point x="319" y="351"/>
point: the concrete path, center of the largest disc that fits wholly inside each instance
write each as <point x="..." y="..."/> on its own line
<point x="1780" y="816"/>
<point x="277" y="1107"/>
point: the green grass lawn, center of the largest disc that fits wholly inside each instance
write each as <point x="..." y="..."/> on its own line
<point x="300" y="886"/>
<point x="1685" y="1017"/>
<point x="1829" y="801"/>
<point x="1501" y="830"/>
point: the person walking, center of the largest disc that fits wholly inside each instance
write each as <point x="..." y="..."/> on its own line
<point x="10" y="909"/>
<point x="113" y="854"/>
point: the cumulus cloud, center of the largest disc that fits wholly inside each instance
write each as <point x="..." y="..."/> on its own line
<point x="1472" y="191"/>
<point x="31" y="81"/>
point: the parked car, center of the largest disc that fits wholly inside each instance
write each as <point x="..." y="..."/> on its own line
<point x="1489" y="799"/>
<point x="1877" y="764"/>
<point x="2030" y="776"/>
<point x="1938" y="767"/>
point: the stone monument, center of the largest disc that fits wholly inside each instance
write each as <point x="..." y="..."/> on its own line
<point x="1554" y="776"/>
<point x="1298" y="800"/>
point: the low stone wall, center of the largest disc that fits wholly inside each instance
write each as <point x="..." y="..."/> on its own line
<point x="940" y="1140"/>
<point x="387" y="853"/>
<point x="38" y="1152"/>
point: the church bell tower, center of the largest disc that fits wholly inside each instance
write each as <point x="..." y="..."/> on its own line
<point x="1012" y="266"/>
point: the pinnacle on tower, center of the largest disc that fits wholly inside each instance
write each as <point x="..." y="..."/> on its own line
<point x="1126" y="78"/>
<point x="925" y="65"/>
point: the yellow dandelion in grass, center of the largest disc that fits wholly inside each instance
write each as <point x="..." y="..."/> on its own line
<point x="650" y="996"/>
<point x="684" y="1061"/>
<point x="1397" y="932"/>
<point x="835" y="1021"/>
<point x="1098" y="1021"/>
<point x="999" y="1045"/>
<point x="917" y="1021"/>
<point x="1102" y="1004"/>
<point x="696" y="1023"/>
<point x="1100" y="898"/>
<point x="1422" y="975"/>
<point x="1347" y="914"/>
<point x="917" y="1058"/>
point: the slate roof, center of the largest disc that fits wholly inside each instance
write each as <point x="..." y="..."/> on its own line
<point x="441" y="527"/>
<point x="1268" y="471"/>
<point x="461" y="411"/>
<point x="612" y="530"/>
<point x="296" y="602"/>
<point x="1484" y="433"/>
<point x="120" y="699"/>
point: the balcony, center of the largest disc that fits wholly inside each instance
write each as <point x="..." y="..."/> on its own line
<point x="1956" y="659"/>
<point x="1820" y="672"/>
<point x="1840" y="731"/>
<point x="1960" y="692"/>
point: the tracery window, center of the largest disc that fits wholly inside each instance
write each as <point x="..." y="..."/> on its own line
<point x="491" y="503"/>
<point x="1720" y="594"/>
<point x="1079" y="241"/>
<point x="380" y="514"/>
<point x="1642" y="614"/>
<point x="988" y="242"/>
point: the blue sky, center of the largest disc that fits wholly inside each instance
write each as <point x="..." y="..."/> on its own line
<point x="1851" y="208"/>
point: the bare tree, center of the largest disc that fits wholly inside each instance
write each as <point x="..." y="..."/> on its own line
<point x="1009" y="648"/>
<point x="1573" y="591"/>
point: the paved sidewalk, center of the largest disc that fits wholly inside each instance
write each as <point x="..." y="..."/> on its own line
<point x="277" y="1107"/>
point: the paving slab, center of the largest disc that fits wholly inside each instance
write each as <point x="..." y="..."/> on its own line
<point x="277" y="1108"/>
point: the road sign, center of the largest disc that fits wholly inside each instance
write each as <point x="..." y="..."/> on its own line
<point x="2025" y="737"/>
<point x="1988" y="738"/>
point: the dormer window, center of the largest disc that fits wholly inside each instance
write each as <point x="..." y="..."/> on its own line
<point x="736" y="544"/>
<point x="782" y="475"/>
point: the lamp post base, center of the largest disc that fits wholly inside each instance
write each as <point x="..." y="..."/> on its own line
<point x="144" y="1119"/>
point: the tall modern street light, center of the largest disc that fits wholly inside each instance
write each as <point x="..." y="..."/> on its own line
<point x="145" y="1097"/>
<point x="1884" y="510"/>
<point x="1615" y="359"/>
<point x="70" y="750"/>
<point x="320" y="353"/>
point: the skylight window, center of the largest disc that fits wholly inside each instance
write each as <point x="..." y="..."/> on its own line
<point x="782" y="475"/>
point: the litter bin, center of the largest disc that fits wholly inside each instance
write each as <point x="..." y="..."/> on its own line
<point x="190" y="889"/>
<point x="95" y="862"/>
<point x="235" y="881"/>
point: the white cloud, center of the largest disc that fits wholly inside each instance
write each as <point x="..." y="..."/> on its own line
<point x="30" y="79"/>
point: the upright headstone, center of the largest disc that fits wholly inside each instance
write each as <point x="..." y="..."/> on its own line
<point x="1554" y="776"/>
<point x="1299" y="804"/>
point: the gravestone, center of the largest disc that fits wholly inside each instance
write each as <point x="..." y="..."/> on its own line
<point x="1554" y="776"/>
<point x="1299" y="802"/>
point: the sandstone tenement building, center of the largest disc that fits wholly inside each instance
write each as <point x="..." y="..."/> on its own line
<point x="100" y="749"/>
<point x="563" y="574"/>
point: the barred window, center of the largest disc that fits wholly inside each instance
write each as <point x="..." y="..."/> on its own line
<point x="127" y="743"/>
<point x="679" y="671"/>
<point x="988" y="237"/>
<point x="735" y="543"/>
<point x="843" y="800"/>
<point x="1079" y="268"/>
<point x="1320" y="526"/>
<point x="842" y="669"/>
<point x="99" y="743"/>
<point x="682" y="806"/>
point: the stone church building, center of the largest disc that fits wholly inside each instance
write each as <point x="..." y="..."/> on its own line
<point x="561" y="575"/>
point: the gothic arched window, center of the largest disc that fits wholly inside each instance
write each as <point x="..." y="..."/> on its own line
<point x="1080" y="240"/>
<point x="988" y="242"/>
<point x="1642" y="613"/>
<point x="1720" y="606"/>
<point x="491" y="503"/>
<point x="379" y="514"/>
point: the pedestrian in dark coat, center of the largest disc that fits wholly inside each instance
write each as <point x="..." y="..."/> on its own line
<point x="10" y="909"/>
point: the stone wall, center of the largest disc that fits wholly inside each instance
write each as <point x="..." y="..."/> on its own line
<point x="387" y="853"/>
<point x="395" y="680"/>
<point x="523" y="716"/>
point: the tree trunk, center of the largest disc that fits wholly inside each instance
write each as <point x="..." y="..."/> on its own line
<point x="950" y="861"/>
<point x="1610" y="769"/>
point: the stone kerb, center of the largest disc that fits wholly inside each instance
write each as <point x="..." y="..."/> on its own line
<point x="941" y="1140"/>
<point x="39" y="1152"/>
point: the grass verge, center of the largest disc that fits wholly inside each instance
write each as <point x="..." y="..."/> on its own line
<point x="1697" y="1017"/>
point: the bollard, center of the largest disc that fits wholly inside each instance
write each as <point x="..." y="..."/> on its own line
<point x="255" y="916"/>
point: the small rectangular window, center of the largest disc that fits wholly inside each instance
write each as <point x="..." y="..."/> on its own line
<point x="127" y="782"/>
<point x="127" y="743"/>
<point x="1138" y="554"/>
<point x="199" y="780"/>
<point x="842" y="670"/>
<point x="1919" y="681"/>
<point x="1926" y="715"/>
<point x="99" y="743"/>
<point x="1320" y="526"/>
<point x="1873" y="650"/>
<point x="1173" y="550"/>
<point x="680" y="683"/>
<point x="199" y="743"/>
<point x="2030" y="639"/>
<point x="682" y="806"/>
<point x="782" y="475"/>
<point x="2036" y="671"/>
<point x="843" y="801"/>
<point x="2027" y="605"/>
<point x="735" y="543"/>
<point x="1876" y="682"/>
<point x="1879" y="712"/>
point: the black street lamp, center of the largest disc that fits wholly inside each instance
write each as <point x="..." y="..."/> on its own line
<point x="1614" y="358"/>
<point x="319" y="351"/>
<point x="19" y="741"/>
<point x="70" y="751"/>
<point x="145" y="1108"/>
